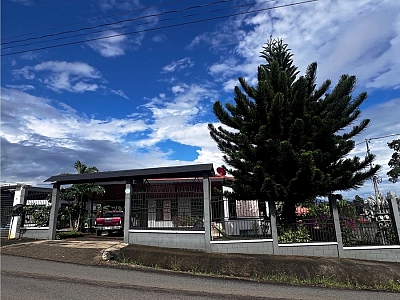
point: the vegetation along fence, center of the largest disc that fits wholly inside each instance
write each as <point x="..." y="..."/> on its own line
<point x="37" y="209"/>
<point x="367" y="222"/>
<point x="313" y="223"/>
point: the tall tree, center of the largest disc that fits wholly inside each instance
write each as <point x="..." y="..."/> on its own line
<point x="394" y="162"/>
<point x="286" y="140"/>
<point x="78" y="195"/>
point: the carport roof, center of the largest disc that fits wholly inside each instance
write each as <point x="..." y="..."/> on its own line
<point x="198" y="170"/>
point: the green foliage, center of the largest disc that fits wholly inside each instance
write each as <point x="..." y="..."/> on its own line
<point x="38" y="214"/>
<point x="394" y="162"/>
<point x="285" y="139"/>
<point x="68" y="234"/>
<point x="301" y="235"/>
<point x="184" y="220"/>
<point x="77" y="197"/>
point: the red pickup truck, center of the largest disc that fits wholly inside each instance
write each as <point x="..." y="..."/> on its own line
<point x="111" y="221"/>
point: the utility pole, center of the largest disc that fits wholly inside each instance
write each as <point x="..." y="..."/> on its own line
<point x="375" y="180"/>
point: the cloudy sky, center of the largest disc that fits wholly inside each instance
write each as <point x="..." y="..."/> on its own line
<point x="130" y="84"/>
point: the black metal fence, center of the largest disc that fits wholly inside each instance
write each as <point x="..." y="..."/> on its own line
<point x="313" y="223"/>
<point x="239" y="219"/>
<point x="368" y="222"/>
<point x="168" y="206"/>
<point x="37" y="209"/>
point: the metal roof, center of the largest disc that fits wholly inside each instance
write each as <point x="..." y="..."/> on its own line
<point x="136" y="174"/>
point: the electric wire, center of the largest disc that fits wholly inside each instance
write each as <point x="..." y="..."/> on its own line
<point x="94" y="19"/>
<point x="161" y="27"/>
<point x="377" y="138"/>
<point x="116" y="22"/>
<point x="123" y="27"/>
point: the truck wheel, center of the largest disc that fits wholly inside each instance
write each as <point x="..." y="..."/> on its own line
<point x="98" y="232"/>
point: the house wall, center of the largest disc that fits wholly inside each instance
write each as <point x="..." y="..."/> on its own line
<point x="244" y="246"/>
<point x="382" y="253"/>
<point x="193" y="240"/>
<point x="41" y="233"/>
<point x="310" y="249"/>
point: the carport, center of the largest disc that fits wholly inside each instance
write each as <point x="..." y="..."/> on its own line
<point x="131" y="178"/>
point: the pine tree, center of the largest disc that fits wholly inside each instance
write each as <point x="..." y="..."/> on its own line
<point x="287" y="140"/>
<point x="394" y="162"/>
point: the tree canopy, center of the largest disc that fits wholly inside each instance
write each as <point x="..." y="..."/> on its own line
<point x="394" y="162"/>
<point x="287" y="139"/>
<point x="77" y="196"/>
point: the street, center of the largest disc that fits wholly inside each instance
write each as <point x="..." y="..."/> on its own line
<point x="26" y="278"/>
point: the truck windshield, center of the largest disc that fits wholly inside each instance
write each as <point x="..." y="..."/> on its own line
<point x="111" y="214"/>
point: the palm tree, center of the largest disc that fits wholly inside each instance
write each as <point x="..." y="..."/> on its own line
<point x="78" y="195"/>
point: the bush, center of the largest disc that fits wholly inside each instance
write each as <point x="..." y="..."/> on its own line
<point x="300" y="235"/>
<point x="68" y="234"/>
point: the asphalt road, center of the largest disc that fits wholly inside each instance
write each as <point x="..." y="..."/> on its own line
<point x="26" y="278"/>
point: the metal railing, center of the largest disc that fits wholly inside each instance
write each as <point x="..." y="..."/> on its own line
<point x="37" y="214"/>
<point x="313" y="223"/>
<point x="168" y="206"/>
<point x="239" y="219"/>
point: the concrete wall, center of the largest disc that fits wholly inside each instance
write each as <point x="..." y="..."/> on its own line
<point x="382" y="253"/>
<point x="35" y="233"/>
<point x="193" y="240"/>
<point x="309" y="249"/>
<point x="243" y="246"/>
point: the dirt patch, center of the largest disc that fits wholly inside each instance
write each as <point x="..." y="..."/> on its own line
<point x="53" y="250"/>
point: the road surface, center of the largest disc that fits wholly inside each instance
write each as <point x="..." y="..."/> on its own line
<point x="26" y="278"/>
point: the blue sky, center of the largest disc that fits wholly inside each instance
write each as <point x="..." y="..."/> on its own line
<point x="143" y="98"/>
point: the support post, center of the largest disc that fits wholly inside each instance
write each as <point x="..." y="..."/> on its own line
<point x="55" y="200"/>
<point x="207" y="216"/>
<point x="274" y="229"/>
<point x="128" y="209"/>
<point x="336" y="223"/>
<point x="395" y="214"/>
<point x="19" y="198"/>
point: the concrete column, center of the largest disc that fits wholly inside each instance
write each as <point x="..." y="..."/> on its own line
<point x="336" y="223"/>
<point x="207" y="215"/>
<point x="55" y="201"/>
<point x="19" y="198"/>
<point x="395" y="216"/>
<point x="274" y="229"/>
<point x="128" y="210"/>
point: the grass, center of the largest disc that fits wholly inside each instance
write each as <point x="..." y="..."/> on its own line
<point x="320" y="281"/>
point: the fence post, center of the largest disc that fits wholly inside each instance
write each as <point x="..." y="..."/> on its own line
<point x="207" y="216"/>
<point x="274" y="229"/>
<point x="128" y="209"/>
<point x="15" y="224"/>
<point x="336" y="223"/>
<point x="394" y="210"/>
<point x="55" y="199"/>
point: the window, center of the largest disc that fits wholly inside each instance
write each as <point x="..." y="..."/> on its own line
<point x="163" y="210"/>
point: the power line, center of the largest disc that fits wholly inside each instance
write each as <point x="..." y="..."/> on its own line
<point x="94" y="19"/>
<point x="378" y="138"/>
<point x="119" y="28"/>
<point x="162" y="27"/>
<point x="113" y="23"/>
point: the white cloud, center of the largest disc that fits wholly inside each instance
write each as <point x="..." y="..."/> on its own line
<point x="176" y="89"/>
<point x="24" y="116"/>
<point x="119" y="93"/>
<point x="159" y="38"/>
<point x="178" y="65"/>
<point x="59" y="76"/>
<point x="175" y="119"/>
<point x="22" y="87"/>
<point x="110" y="47"/>
<point x="360" y="38"/>
<point x="24" y="2"/>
